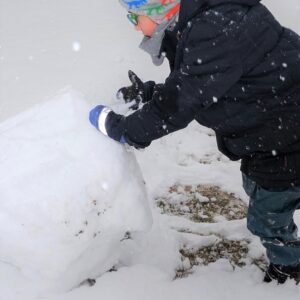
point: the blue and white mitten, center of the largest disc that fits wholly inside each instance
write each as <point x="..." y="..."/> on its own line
<point x="98" y="116"/>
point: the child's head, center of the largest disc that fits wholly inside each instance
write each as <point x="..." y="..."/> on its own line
<point x="151" y="12"/>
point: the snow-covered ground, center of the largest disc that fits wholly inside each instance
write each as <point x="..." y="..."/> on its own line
<point x="46" y="46"/>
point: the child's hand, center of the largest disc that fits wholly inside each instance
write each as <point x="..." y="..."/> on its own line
<point x="134" y="92"/>
<point x="98" y="116"/>
<point x="97" y="121"/>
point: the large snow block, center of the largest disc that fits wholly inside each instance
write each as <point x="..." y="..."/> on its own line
<point x="68" y="195"/>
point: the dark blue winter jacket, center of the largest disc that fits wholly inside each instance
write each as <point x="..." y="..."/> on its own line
<point x="236" y="70"/>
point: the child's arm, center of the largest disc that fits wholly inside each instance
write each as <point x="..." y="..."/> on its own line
<point x="210" y="66"/>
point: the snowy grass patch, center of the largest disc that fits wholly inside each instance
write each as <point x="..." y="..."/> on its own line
<point x="237" y="253"/>
<point x="202" y="203"/>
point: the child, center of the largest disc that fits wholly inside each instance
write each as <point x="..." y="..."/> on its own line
<point x="236" y="70"/>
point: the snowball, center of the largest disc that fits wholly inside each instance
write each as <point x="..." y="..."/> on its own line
<point x="68" y="195"/>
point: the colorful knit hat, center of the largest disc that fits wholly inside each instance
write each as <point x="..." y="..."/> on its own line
<point x="158" y="10"/>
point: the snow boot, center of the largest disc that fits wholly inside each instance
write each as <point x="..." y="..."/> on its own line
<point x="281" y="273"/>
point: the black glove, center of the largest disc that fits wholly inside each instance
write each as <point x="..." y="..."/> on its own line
<point x="137" y="92"/>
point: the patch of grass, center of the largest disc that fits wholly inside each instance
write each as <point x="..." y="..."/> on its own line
<point x="202" y="203"/>
<point x="207" y="204"/>
<point x="182" y="273"/>
<point x="210" y="158"/>
<point x="234" y="251"/>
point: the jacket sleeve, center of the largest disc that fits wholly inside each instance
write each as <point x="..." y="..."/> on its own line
<point x="209" y="67"/>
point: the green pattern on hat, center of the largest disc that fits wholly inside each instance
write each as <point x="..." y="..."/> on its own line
<point x="157" y="10"/>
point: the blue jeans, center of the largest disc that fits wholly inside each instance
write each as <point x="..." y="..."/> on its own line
<point x="270" y="216"/>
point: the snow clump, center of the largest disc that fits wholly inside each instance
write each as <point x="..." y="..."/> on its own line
<point x="69" y="195"/>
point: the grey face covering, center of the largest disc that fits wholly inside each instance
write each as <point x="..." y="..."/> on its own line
<point x="152" y="45"/>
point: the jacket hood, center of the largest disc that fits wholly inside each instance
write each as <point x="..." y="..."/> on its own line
<point x="189" y="8"/>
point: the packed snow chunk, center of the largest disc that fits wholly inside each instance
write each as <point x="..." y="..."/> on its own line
<point x="68" y="195"/>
